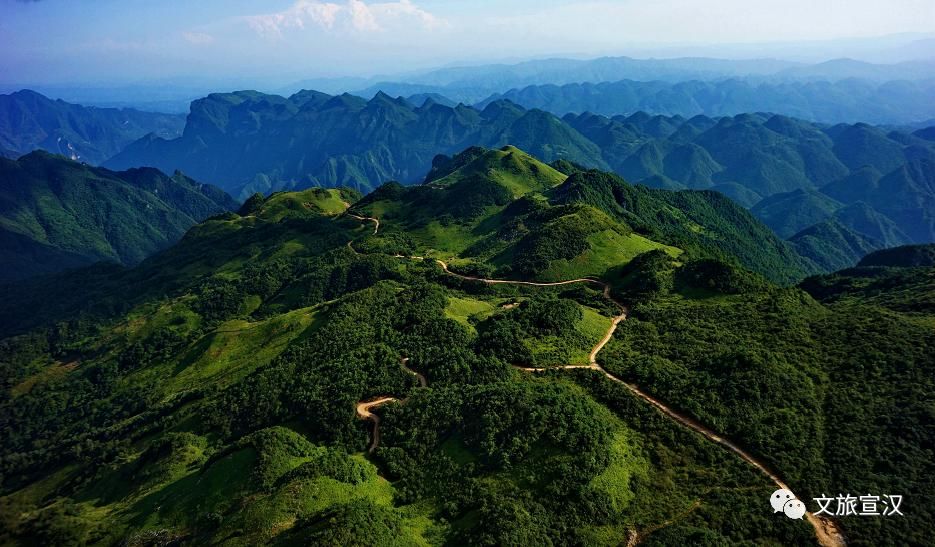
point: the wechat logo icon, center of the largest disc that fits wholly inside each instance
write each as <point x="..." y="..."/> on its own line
<point x="784" y="501"/>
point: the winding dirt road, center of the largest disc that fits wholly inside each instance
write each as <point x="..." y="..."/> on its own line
<point x="375" y="221"/>
<point x="364" y="412"/>
<point x="422" y="381"/>
<point x="827" y="531"/>
<point x="364" y="408"/>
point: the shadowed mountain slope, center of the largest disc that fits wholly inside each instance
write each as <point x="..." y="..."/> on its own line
<point x="57" y="214"/>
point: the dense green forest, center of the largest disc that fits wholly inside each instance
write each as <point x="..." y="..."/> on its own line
<point x="57" y="214"/>
<point x="209" y="395"/>
<point x="804" y="385"/>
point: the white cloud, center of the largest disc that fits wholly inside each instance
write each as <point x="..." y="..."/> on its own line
<point x="362" y="17"/>
<point x="355" y="15"/>
<point x="405" y="9"/>
<point x="322" y="14"/>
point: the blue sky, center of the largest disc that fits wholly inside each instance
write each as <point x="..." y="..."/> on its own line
<point x="50" y="41"/>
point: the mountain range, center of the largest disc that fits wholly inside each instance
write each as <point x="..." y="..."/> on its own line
<point x="57" y="214"/>
<point x="474" y="83"/>
<point x="792" y="173"/>
<point x="836" y="192"/>
<point x="846" y="100"/>
<point x="795" y="174"/>
<point x="249" y="142"/>
<point x="510" y="353"/>
<point x="30" y="121"/>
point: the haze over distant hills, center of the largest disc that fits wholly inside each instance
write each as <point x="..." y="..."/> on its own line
<point x="560" y="71"/>
<point x="474" y="83"/>
<point x="465" y="84"/>
<point x="250" y="142"/>
<point x="846" y="100"/>
<point x="31" y="121"/>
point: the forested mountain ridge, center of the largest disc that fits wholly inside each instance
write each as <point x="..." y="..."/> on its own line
<point x="610" y="216"/>
<point x="489" y="210"/>
<point x="831" y="245"/>
<point x="30" y="121"/>
<point x="845" y="100"/>
<point x="57" y="214"/>
<point x="793" y="174"/>
<point x="764" y="153"/>
<point x="210" y="391"/>
<point x="909" y="256"/>
<point x="901" y="279"/>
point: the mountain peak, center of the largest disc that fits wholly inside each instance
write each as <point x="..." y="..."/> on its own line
<point x="382" y="98"/>
<point x="509" y="166"/>
<point x="345" y="101"/>
<point x="29" y="93"/>
<point x="501" y="106"/>
<point x="308" y="97"/>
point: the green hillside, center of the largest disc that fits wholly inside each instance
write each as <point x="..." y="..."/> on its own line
<point x="57" y="214"/>
<point x="489" y="211"/>
<point x="847" y="235"/>
<point x="469" y="216"/>
<point x="704" y="223"/>
<point x="907" y="289"/>
<point x="865" y="220"/>
<point x="311" y="202"/>
<point x="908" y="256"/>
<point x="832" y="246"/>
<point x="790" y="213"/>
<point x="226" y="389"/>
<point x="796" y="380"/>
<point x="510" y="167"/>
